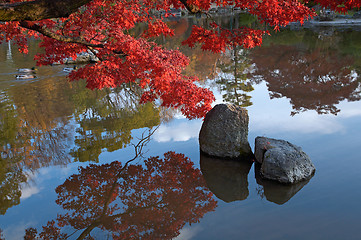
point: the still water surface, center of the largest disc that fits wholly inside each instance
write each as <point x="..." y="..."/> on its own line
<point x="302" y="86"/>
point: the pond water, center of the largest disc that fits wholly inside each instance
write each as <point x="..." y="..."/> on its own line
<point x="302" y="85"/>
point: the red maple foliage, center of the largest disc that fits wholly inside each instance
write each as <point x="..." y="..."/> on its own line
<point x="104" y="28"/>
<point x="340" y="5"/>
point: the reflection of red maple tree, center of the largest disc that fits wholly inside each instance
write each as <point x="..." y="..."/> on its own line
<point x="313" y="80"/>
<point x="153" y="201"/>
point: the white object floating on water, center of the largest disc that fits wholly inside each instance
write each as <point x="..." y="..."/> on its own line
<point x="25" y="76"/>
<point x="27" y="70"/>
<point x="69" y="69"/>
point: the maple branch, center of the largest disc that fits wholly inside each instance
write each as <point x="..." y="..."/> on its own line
<point x="39" y="9"/>
<point x="94" y="52"/>
<point x="191" y="8"/>
<point x="46" y="32"/>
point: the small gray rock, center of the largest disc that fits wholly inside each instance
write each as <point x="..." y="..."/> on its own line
<point x="282" y="161"/>
<point x="224" y="132"/>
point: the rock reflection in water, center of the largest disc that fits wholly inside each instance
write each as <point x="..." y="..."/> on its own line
<point x="276" y="192"/>
<point x="227" y="179"/>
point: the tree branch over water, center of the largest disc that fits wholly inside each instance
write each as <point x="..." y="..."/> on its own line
<point x="39" y="9"/>
<point x="46" y="32"/>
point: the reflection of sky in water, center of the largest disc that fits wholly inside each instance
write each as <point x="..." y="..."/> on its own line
<point x="37" y="202"/>
<point x="178" y="131"/>
<point x="273" y="117"/>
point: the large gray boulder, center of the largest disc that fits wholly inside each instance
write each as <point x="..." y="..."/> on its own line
<point x="282" y="161"/>
<point x="224" y="132"/>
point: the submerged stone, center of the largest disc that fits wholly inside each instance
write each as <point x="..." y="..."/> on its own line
<point x="224" y="132"/>
<point x="282" y="161"/>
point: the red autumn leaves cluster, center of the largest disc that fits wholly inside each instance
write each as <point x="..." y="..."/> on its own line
<point x="340" y="5"/>
<point x="218" y="39"/>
